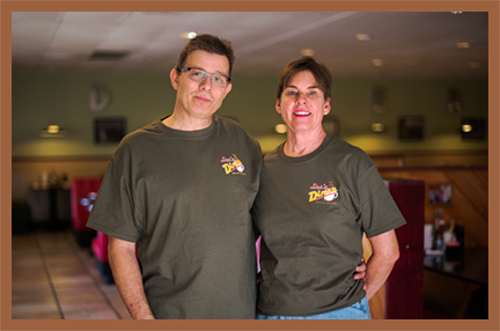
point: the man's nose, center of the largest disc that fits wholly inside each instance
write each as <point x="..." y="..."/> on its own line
<point x="206" y="84"/>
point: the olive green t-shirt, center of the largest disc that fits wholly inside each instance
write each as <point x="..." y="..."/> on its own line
<point x="185" y="199"/>
<point x="312" y="212"/>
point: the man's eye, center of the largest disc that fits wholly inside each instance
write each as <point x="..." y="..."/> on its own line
<point x="292" y="92"/>
<point x="198" y="74"/>
<point x="313" y="92"/>
<point x="216" y="78"/>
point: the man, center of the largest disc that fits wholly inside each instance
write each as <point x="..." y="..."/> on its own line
<point x="182" y="188"/>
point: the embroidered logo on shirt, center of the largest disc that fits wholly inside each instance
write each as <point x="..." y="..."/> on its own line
<point x="323" y="193"/>
<point x="232" y="165"/>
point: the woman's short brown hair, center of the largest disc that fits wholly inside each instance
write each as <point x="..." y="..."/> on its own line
<point x="210" y="44"/>
<point x="320" y="72"/>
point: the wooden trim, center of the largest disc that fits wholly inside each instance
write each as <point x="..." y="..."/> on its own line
<point x="428" y="153"/>
<point x="434" y="168"/>
<point x="62" y="158"/>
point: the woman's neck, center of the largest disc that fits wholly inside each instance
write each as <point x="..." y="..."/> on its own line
<point x="299" y="144"/>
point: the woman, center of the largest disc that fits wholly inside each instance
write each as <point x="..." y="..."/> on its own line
<point x="318" y="195"/>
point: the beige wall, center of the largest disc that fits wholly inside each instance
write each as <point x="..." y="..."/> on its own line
<point x="40" y="99"/>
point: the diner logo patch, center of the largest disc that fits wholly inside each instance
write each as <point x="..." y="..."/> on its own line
<point x="323" y="193"/>
<point x="232" y="165"/>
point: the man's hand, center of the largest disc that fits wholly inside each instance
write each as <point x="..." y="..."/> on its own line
<point x="360" y="272"/>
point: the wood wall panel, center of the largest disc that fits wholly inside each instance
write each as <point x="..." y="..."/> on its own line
<point x="469" y="203"/>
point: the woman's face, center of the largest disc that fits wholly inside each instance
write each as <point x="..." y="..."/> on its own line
<point x="302" y="104"/>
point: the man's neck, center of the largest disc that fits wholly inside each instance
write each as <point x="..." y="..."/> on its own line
<point x="184" y="123"/>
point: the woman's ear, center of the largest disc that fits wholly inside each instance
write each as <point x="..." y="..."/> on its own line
<point x="278" y="106"/>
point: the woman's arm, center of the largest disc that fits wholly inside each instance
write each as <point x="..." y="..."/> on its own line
<point x="385" y="254"/>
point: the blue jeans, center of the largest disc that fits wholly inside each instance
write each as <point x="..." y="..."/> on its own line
<point x="358" y="311"/>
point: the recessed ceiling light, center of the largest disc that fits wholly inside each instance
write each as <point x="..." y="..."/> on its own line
<point x="456" y="12"/>
<point x="463" y="45"/>
<point x="363" y="36"/>
<point x="474" y="65"/>
<point x="307" y="52"/>
<point x="378" y="62"/>
<point x="188" y="35"/>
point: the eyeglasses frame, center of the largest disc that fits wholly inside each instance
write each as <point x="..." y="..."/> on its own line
<point x="207" y="73"/>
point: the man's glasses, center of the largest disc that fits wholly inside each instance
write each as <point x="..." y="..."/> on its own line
<point x="199" y="75"/>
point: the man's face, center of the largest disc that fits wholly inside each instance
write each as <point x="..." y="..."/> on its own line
<point x="200" y="100"/>
<point x="302" y="104"/>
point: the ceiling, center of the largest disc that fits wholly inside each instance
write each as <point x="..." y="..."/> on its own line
<point x="409" y="44"/>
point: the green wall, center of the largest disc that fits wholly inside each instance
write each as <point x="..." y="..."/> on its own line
<point x="40" y="99"/>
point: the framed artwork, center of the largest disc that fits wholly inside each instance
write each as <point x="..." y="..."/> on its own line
<point x="411" y="128"/>
<point x="109" y="130"/>
<point x="439" y="194"/>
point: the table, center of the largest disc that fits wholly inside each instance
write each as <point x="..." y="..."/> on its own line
<point x="471" y="266"/>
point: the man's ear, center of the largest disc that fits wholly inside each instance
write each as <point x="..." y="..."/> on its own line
<point x="228" y="89"/>
<point x="174" y="78"/>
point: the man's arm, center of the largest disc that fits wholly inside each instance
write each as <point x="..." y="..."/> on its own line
<point x="128" y="279"/>
<point x="385" y="254"/>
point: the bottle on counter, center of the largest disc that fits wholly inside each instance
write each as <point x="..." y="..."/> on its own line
<point x="438" y="236"/>
<point x="449" y="234"/>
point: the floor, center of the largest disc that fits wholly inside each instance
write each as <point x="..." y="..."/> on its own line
<point x="54" y="278"/>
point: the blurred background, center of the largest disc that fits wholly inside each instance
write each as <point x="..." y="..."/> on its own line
<point x="410" y="88"/>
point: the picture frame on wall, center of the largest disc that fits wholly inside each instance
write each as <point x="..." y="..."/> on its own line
<point x="440" y="194"/>
<point x="109" y="129"/>
<point x="411" y="127"/>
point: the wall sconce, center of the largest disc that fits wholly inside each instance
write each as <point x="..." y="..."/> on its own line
<point x="280" y="128"/>
<point x="53" y="131"/>
<point x="377" y="127"/>
<point x="473" y="128"/>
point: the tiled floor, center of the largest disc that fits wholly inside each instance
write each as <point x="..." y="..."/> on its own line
<point x="54" y="278"/>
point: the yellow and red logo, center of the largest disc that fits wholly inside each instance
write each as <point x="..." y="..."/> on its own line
<point x="326" y="192"/>
<point x="232" y="163"/>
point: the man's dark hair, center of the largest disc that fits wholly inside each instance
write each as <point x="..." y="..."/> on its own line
<point x="210" y="44"/>
<point x="320" y="72"/>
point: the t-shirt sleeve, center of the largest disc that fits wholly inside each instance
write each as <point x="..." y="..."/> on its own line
<point x="114" y="212"/>
<point x="379" y="212"/>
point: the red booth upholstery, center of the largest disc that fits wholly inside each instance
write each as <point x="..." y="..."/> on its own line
<point x="83" y="194"/>
<point x="100" y="250"/>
